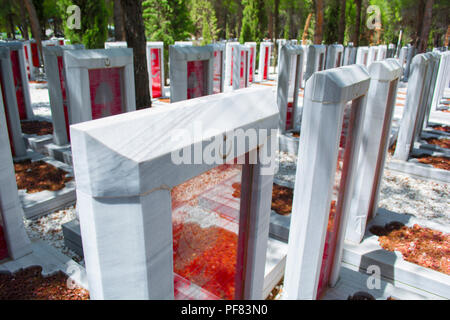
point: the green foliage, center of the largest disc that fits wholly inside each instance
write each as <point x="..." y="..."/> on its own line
<point x="204" y="18"/>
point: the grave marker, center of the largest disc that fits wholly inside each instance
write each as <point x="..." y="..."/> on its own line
<point x="59" y="102"/>
<point x="362" y="56"/>
<point x="381" y="99"/>
<point x="116" y="44"/>
<point x="349" y="55"/>
<point x="252" y="63"/>
<point x="442" y="80"/>
<point x="316" y="60"/>
<point x="382" y="52"/>
<point x="373" y="55"/>
<point x="99" y="83"/>
<point x="9" y="104"/>
<point x="334" y="56"/>
<point x="410" y="55"/>
<point x="322" y="194"/>
<point x="229" y="54"/>
<point x="222" y="222"/>
<point x="265" y="52"/>
<point x="14" y="241"/>
<point x="290" y="77"/>
<point x="191" y="72"/>
<point x="155" y="64"/>
<point x="241" y="70"/>
<point x="20" y="77"/>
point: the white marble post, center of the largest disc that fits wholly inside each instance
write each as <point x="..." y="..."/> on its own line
<point x="218" y="67"/>
<point x="381" y="98"/>
<point x="78" y="67"/>
<point x="349" y="56"/>
<point x="409" y="57"/>
<point x="183" y="43"/>
<point x="252" y="65"/>
<point x="11" y="212"/>
<point x="116" y="44"/>
<point x="182" y="80"/>
<point x="442" y="80"/>
<point x="425" y="109"/>
<point x="35" y="60"/>
<point x="241" y="70"/>
<point x="265" y="52"/>
<point x="56" y="79"/>
<point x="326" y="97"/>
<point x="290" y="77"/>
<point x="382" y="52"/>
<point x="125" y="173"/>
<point x="20" y="78"/>
<point x="362" y="56"/>
<point x="414" y="99"/>
<point x="335" y="54"/>
<point x="155" y="65"/>
<point x="9" y="104"/>
<point x="280" y="44"/>
<point x="229" y="54"/>
<point x="316" y="60"/>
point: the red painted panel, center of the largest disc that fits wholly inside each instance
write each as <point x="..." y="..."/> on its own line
<point x="106" y="92"/>
<point x="18" y="84"/>
<point x="243" y="70"/>
<point x="232" y="60"/>
<point x="155" y="60"/>
<point x="252" y="64"/>
<point x="289" y="111"/>
<point x="217" y="87"/>
<point x="35" y="55"/>
<point x="62" y="82"/>
<point x="27" y="62"/>
<point x="266" y="64"/>
<point x="61" y="42"/>
<point x="196" y="79"/>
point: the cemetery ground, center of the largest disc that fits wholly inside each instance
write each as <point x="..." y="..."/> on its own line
<point x="417" y="202"/>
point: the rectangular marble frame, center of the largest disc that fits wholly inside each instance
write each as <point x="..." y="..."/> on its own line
<point x="442" y="81"/>
<point x="373" y="55"/>
<point x="317" y="56"/>
<point x="431" y="80"/>
<point x="252" y="68"/>
<point x="262" y="58"/>
<point x="362" y="56"/>
<point x="10" y="208"/>
<point x="179" y="57"/>
<point x="123" y="163"/>
<point x="326" y="96"/>
<point x="349" y="56"/>
<point x="335" y="56"/>
<point x="77" y="66"/>
<point x="382" y="52"/>
<point x="237" y="64"/>
<point x="9" y="104"/>
<point x="33" y="70"/>
<point x="414" y="100"/>
<point x="385" y="76"/>
<point x="220" y="47"/>
<point x="116" y="44"/>
<point x="19" y="47"/>
<point x="280" y="44"/>
<point x="229" y="53"/>
<point x="160" y="46"/>
<point x="51" y="56"/>
<point x="284" y="82"/>
<point x="409" y="57"/>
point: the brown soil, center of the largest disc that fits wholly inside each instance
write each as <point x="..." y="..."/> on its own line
<point x="39" y="128"/>
<point x="422" y="246"/>
<point x="296" y="134"/>
<point x="39" y="176"/>
<point x="30" y="284"/>
<point x="443" y="143"/>
<point x="165" y="100"/>
<point x="437" y="162"/>
<point x="282" y="200"/>
<point x="441" y="128"/>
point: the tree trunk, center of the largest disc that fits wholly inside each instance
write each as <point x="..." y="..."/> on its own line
<point x="24" y="23"/>
<point x="34" y="22"/>
<point x="426" y="26"/>
<point x="276" y="30"/>
<point x="305" y="30"/>
<point x="135" y="35"/>
<point x="341" y="27"/>
<point x="318" y="30"/>
<point x="419" y="22"/>
<point x="357" y="32"/>
<point x="119" y="31"/>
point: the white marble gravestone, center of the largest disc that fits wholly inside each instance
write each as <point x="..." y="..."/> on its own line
<point x="218" y="67"/>
<point x="241" y="67"/>
<point x="382" y="52"/>
<point x="252" y="63"/>
<point x="280" y="44"/>
<point x="229" y="54"/>
<point x="373" y="55"/>
<point x="362" y="56"/>
<point x="316" y="60"/>
<point x="34" y="60"/>
<point x="335" y="54"/>
<point x="155" y="65"/>
<point x="9" y="104"/>
<point x="133" y="197"/>
<point x="265" y="52"/>
<point x="116" y="44"/>
<point x="414" y="100"/>
<point x="403" y="56"/>
<point x="385" y="76"/>
<point x="191" y="72"/>
<point x="20" y="76"/>
<point x="56" y="78"/>
<point x="99" y="83"/>
<point x="311" y="265"/>
<point x="290" y="76"/>
<point x="11" y="213"/>
<point x="409" y="57"/>
<point x="349" y="55"/>
<point x="442" y="80"/>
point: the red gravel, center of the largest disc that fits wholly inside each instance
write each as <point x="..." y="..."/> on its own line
<point x="443" y="143"/>
<point x="437" y="162"/>
<point x="39" y="128"/>
<point x="30" y="284"/>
